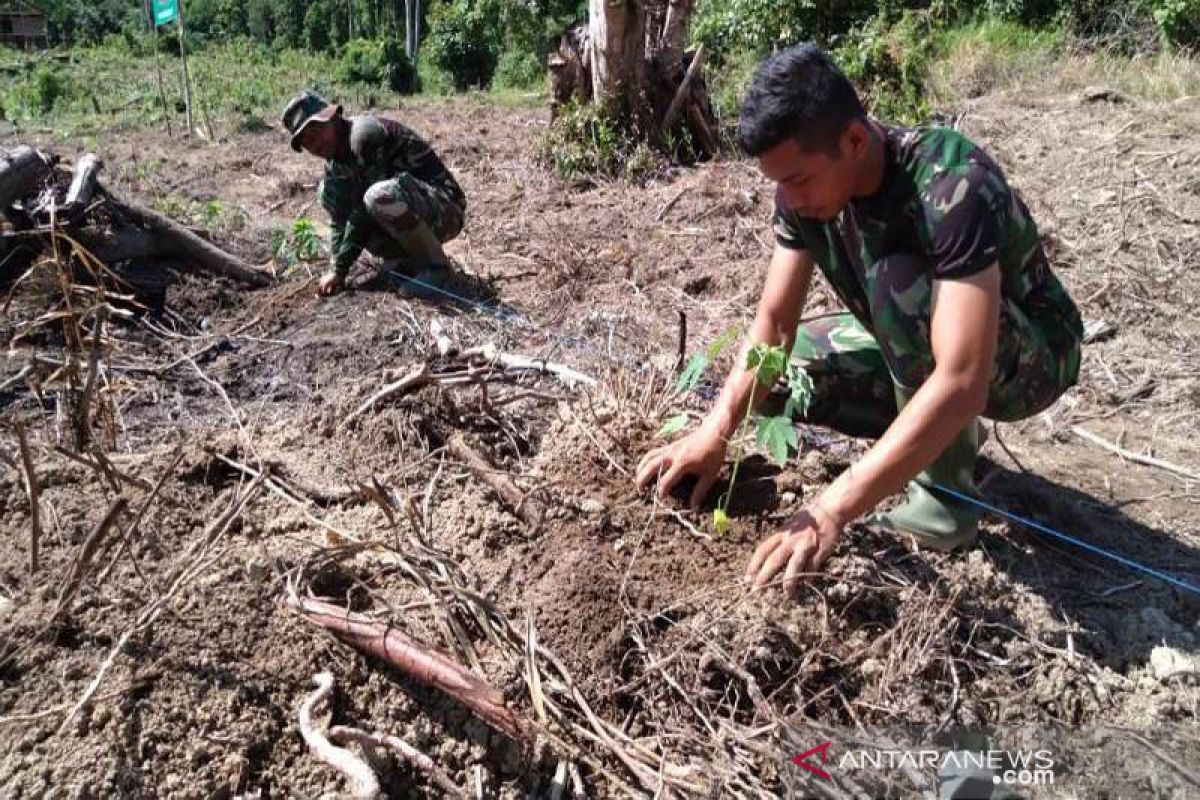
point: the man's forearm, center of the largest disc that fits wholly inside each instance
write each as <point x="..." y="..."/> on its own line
<point x="938" y="412"/>
<point x="345" y="247"/>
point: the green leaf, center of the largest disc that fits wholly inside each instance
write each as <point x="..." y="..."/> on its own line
<point x="778" y="436"/>
<point x="722" y="342"/>
<point x="689" y="379"/>
<point x="720" y="521"/>
<point x="674" y="425"/>
<point x="800" y="385"/>
<point x="767" y="362"/>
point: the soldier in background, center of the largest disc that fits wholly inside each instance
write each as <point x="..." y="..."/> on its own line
<point x="385" y="189"/>
<point x="952" y="312"/>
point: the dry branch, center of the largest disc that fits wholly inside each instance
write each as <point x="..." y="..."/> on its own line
<point x="421" y="376"/>
<point x="363" y="781"/>
<point x="410" y="754"/>
<point x="82" y="561"/>
<point x="512" y="497"/>
<point x="570" y="377"/>
<point x="193" y="561"/>
<point x="33" y="492"/>
<point x="685" y="89"/>
<point x="421" y="661"/>
<point x="83" y="420"/>
<point x="1137" y="458"/>
<point x="179" y="240"/>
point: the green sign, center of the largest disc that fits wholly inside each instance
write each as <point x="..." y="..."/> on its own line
<point x="164" y="11"/>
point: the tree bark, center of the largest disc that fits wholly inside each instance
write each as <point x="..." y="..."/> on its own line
<point x="83" y="185"/>
<point x="639" y="71"/>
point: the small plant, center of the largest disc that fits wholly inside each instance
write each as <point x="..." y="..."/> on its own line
<point x="776" y="434"/>
<point x="582" y="144"/>
<point x="300" y="245"/>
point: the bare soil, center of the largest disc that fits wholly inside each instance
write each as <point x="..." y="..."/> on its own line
<point x="1038" y="641"/>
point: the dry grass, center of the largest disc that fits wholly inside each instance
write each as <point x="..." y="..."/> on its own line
<point x="996" y="56"/>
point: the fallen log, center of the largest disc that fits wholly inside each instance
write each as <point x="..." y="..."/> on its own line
<point x="22" y="170"/>
<point x="421" y="661"/>
<point x="180" y="242"/>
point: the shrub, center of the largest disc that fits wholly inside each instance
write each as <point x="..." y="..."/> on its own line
<point x="889" y="64"/>
<point x="1179" y="21"/>
<point x="518" y="69"/>
<point x="37" y="95"/>
<point x="583" y="144"/>
<point x="760" y="26"/>
<point x="462" y="41"/>
<point x="377" y="63"/>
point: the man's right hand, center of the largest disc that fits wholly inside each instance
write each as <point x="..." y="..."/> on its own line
<point x="331" y="283"/>
<point x="700" y="453"/>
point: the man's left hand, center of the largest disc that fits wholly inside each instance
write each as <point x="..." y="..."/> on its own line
<point x="803" y="545"/>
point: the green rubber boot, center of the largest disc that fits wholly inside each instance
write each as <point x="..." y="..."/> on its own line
<point x="936" y="520"/>
<point x="425" y="269"/>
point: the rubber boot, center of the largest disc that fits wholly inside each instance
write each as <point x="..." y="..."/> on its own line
<point x="425" y="269"/>
<point x="935" y="519"/>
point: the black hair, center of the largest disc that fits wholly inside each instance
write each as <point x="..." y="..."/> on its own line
<point x="798" y="92"/>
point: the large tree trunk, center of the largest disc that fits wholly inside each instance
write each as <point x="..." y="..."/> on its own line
<point x="633" y="63"/>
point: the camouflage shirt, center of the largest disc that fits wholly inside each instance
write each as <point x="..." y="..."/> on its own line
<point x="942" y="198"/>
<point x="382" y="154"/>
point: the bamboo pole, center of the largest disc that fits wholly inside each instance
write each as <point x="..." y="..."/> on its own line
<point x="162" y="92"/>
<point x="187" y="78"/>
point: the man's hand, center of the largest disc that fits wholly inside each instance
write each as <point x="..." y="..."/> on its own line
<point x="700" y="453"/>
<point x="801" y="547"/>
<point x="331" y="283"/>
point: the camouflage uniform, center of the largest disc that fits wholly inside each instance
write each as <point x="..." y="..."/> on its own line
<point x="391" y="173"/>
<point x="944" y="211"/>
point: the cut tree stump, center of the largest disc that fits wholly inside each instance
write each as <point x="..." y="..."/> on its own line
<point x="22" y="170"/>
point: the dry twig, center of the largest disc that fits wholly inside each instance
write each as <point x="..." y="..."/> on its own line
<point x="410" y="754"/>
<point x="33" y="492"/>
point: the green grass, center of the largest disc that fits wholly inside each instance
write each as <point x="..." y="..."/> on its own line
<point x="91" y="92"/>
<point x="241" y="85"/>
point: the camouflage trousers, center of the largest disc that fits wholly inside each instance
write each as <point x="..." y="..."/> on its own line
<point x="858" y="366"/>
<point x="387" y="208"/>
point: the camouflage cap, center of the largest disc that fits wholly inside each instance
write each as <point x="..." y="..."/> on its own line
<point x="305" y="108"/>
